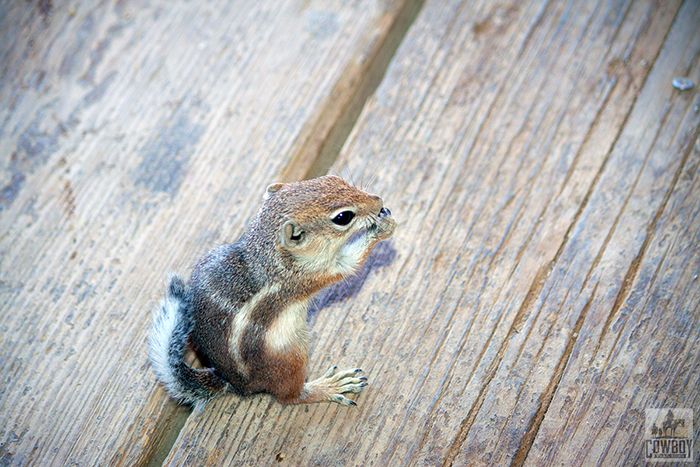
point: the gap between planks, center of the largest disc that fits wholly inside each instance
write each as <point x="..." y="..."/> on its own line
<point x="630" y="277"/>
<point x="321" y="146"/>
<point x="315" y="156"/>
<point x="546" y="397"/>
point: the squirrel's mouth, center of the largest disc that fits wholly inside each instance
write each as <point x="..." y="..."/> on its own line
<point x="382" y="226"/>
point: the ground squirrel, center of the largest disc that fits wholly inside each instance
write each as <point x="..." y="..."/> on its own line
<point x="245" y="305"/>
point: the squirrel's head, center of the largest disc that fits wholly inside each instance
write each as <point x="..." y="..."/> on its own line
<point x="324" y="227"/>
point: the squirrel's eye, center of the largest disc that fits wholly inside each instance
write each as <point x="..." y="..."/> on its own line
<point x="343" y="218"/>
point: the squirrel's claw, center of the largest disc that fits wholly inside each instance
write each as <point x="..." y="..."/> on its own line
<point x="334" y="383"/>
<point x="342" y="400"/>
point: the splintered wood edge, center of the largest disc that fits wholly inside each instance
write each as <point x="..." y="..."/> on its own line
<point x="319" y="144"/>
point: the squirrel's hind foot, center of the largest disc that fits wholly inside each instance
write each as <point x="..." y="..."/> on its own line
<point x="332" y="385"/>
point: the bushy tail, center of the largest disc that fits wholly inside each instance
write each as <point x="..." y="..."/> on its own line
<point x="172" y="324"/>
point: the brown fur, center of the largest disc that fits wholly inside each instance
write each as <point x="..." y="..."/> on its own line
<point x="249" y="299"/>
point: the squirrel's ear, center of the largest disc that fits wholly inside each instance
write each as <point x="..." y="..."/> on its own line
<point x="292" y="234"/>
<point x="271" y="189"/>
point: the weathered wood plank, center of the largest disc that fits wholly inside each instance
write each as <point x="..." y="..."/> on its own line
<point x="134" y="136"/>
<point x="601" y="253"/>
<point x="486" y="136"/>
<point x="638" y="345"/>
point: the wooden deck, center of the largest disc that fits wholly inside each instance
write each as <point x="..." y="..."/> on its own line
<point x="541" y="291"/>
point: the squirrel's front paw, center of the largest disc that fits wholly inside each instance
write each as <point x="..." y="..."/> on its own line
<point x="333" y="384"/>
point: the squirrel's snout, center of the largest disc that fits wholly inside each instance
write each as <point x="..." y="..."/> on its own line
<point x="385" y="224"/>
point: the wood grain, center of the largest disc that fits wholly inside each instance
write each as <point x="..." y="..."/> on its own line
<point x="541" y="290"/>
<point x="498" y="221"/>
<point x="134" y="136"/>
<point x="501" y="138"/>
<point x="638" y="346"/>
